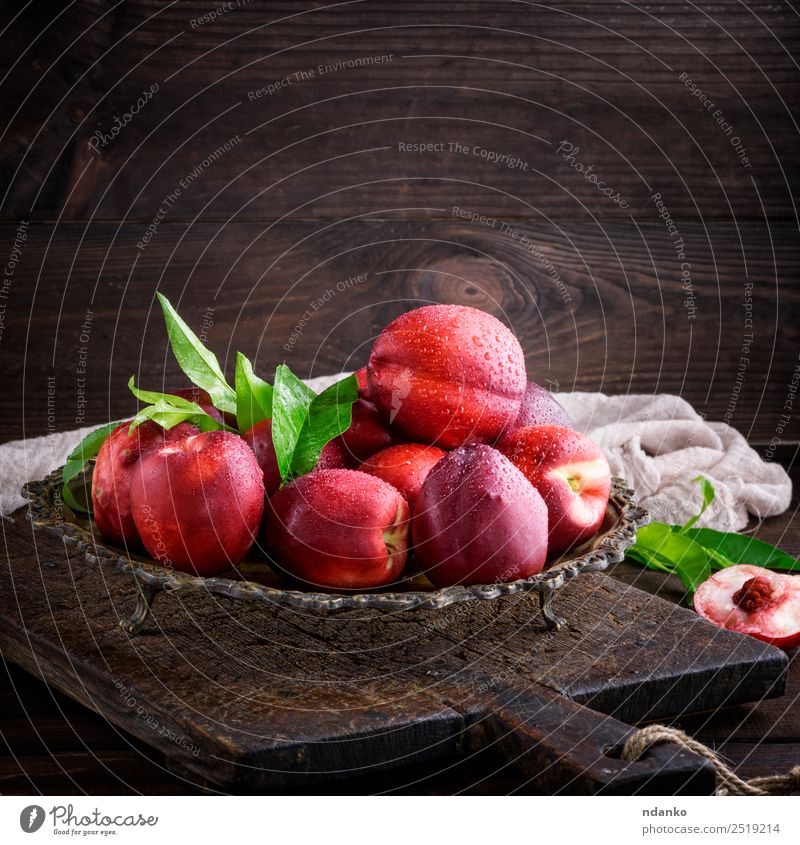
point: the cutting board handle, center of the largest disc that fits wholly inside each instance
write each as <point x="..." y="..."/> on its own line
<point x="566" y="747"/>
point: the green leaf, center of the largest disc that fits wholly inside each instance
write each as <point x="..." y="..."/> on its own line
<point x="329" y="415"/>
<point x="708" y="497"/>
<point x="167" y="411"/>
<point x="693" y="553"/>
<point x="661" y="548"/>
<point x="732" y="549"/>
<point x="153" y="396"/>
<point x="77" y="458"/>
<point x="650" y="558"/>
<point x="303" y="422"/>
<point x="253" y="395"/>
<point x="166" y="415"/>
<point x="197" y="362"/>
<point x="291" y="400"/>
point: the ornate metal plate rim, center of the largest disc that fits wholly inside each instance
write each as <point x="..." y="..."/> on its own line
<point x="45" y="511"/>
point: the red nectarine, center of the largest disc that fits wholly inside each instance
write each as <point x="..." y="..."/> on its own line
<point x="366" y="435"/>
<point x="447" y="375"/>
<point x="363" y="384"/>
<point x="540" y="407"/>
<point x="478" y="520"/>
<point x="111" y="477"/>
<point x="405" y="467"/>
<point x="570" y="472"/>
<point x="197" y="502"/>
<point x="338" y="529"/>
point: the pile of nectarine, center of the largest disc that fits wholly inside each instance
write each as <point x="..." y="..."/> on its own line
<point x="447" y="452"/>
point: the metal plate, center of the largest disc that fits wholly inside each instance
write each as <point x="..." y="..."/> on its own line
<point x="254" y="580"/>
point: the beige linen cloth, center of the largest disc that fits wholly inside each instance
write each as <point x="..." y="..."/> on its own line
<point x="658" y="443"/>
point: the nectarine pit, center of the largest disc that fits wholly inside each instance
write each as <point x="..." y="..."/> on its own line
<point x="754" y="595"/>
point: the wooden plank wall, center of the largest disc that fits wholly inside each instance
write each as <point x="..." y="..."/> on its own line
<point x="262" y="163"/>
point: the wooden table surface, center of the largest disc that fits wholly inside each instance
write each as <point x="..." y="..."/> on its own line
<point x="260" y="169"/>
<point x="53" y="745"/>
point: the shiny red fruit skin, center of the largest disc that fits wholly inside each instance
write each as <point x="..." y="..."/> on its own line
<point x="405" y="466"/>
<point x="540" y="407"/>
<point x="447" y="375"/>
<point x="540" y="450"/>
<point x="366" y="435"/>
<point x="363" y="384"/>
<point x="333" y="456"/>
<point x="714" y="601"/>
<point x="478" y="520"/>
<point x="783" y="643"/>
<point x="326" y="529"/>
<point x="259" y="438"/>
<point x="193" y="394"/>
<point x="198" y="503"/>
<point x="111" y="477"/>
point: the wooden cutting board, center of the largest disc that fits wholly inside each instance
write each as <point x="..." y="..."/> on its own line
<point x="253" y="698"/>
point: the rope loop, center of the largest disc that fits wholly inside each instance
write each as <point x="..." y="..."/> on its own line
<point x="728" y="782"/>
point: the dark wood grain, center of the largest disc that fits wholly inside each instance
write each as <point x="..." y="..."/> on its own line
<point x="625" y="329"/>
<point x="248" y="697"/>
<point x="345" y="152"/>
<point x="56" y="746"/>
<point x="321" y="156"/>
<point x="510" y="77"/>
